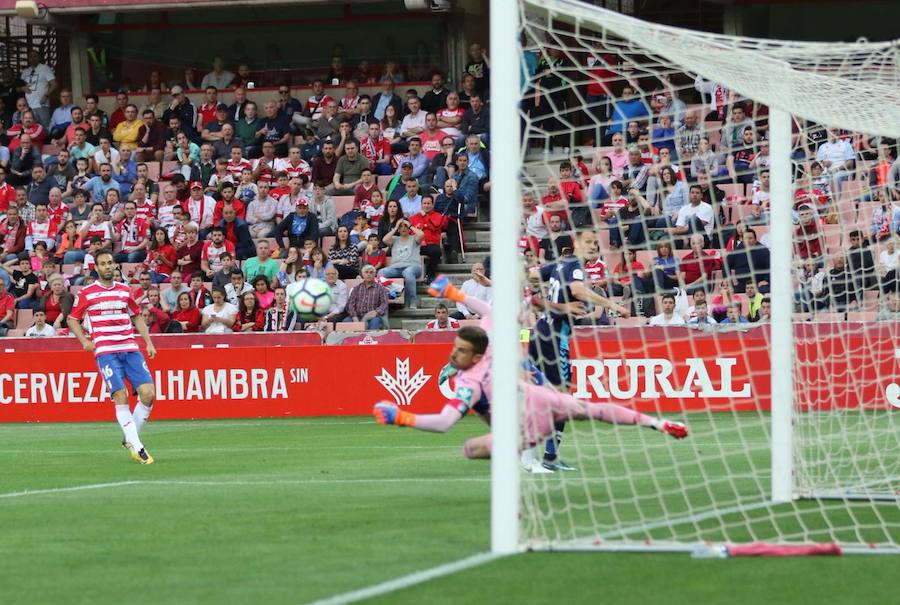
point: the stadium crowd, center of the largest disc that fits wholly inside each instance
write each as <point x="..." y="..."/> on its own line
<point x="213" y="208"/>
<point x="677" y="192"/>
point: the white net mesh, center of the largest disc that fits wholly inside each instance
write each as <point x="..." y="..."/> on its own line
<point x="643" y="114"/>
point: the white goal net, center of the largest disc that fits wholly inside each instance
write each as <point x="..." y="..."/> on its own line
<point x="657" y="155"/>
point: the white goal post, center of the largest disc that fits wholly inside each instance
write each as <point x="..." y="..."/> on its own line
<point x="822" y="463"/>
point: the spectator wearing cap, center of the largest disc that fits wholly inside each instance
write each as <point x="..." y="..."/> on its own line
<point x="299" y="227"/>
<point x="415" y="157"/>
<point x="212" y="129"/>
<point x="181" y="107"/>
<point x="151" y="138"/>
<point x="368" y="301"/>
<point x="200" y="206"/>
<point x="397" y="187"/>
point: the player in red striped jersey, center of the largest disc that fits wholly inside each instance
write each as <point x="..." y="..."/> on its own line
<point x="108" y="306"/>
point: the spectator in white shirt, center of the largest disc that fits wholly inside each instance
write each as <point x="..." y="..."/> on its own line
<point x="837" y="157"/>
<point x="702" y="317"/>
<point x="219" y="77"/>
<point x="478" y="286"/>
<point x="40" y="328"/>
<point x="888" y="264"/>
<point x="668" y="317"/>
<point x="218" y="317"/>
<point x="413" y="123"/>
<point x="41" y="83"/>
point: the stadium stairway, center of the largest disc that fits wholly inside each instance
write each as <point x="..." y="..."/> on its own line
<point x="477" y="234"/>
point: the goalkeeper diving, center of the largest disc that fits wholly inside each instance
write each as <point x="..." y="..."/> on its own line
<point x="471" y="361"/>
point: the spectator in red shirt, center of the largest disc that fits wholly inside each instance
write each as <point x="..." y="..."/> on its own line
<point x="12" y="235"/>
<point x="190" y="253"/>
<point x="431" y="137"/>
<point x="250" y="317"/>
<point x="186" y="314"/>
<point x="29" y="126"/>
<point x="162" y="257"/>
<point x="433" y="225"/>
<point x="374" y="254"/>
<point x="698" y="265"/>
<point x="807" y="238"/>
<point x="57" y="302"/>
<point x="7" y="310"/>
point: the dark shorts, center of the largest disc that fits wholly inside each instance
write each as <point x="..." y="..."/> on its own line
<point x="548" y="349"/>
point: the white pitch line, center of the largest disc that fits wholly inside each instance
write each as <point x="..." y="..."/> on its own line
<point x="60" y="490"/>
<point x="200" y="483"/>
<point x="406" y="581"/>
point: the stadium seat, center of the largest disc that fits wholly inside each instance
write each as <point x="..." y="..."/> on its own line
<point x="714" y="132"/>
<point x="169" y="167"/>
<point x="862" y="316"/>
<point x="384" y="181"/>
<point x="24" y="318"/>
<point x="350" y="326"/>
<point x="342" y="204"/>
<point x="631" y="322"/>
<point x="379" y="337"/>
<point x="829" y="317"/>
<point x="469" y="322"/>
<point x="16" y="333"/>
<point x="153" y="170"/>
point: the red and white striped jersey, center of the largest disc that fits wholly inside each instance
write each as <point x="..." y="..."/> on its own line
<point x="41" y="231"/>
<point x="452" y="324"/>
<point x="103" y="230"/>
<point x="109" y="310"/>
<point x="235" y="168"/>
<point x="133" y="232"/>
<point x="596" y="269"/>
<point x="301" y="168"/>
<point x="57" y="215"/>
<point x="146" y="210"/>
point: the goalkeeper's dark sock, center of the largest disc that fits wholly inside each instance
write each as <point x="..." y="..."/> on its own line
<point x="551" y="448"/>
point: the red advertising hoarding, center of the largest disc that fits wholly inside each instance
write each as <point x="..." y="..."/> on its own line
<point x="651" y="369"/>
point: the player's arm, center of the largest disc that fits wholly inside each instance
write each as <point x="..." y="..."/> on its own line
<point x="76" y="329"/>
<point x="141" y="326"/>
<point x="585" y="294"/>
<point x="387" y="413"/>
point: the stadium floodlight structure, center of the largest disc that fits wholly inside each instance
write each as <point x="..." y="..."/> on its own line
<point x="803" y="445"/>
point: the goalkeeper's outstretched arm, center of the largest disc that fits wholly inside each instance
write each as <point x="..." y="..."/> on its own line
<point x="386" y="412"/>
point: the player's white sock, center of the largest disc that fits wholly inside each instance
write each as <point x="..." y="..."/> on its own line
<point x="527" y="457"/>
<point x="140" y="414"/>
<point x="126" y="421"/>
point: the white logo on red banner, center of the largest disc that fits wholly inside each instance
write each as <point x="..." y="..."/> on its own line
<point x="402" y="386"/>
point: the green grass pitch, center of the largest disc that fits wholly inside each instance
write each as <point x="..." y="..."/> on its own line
<point x="291" y="510"/>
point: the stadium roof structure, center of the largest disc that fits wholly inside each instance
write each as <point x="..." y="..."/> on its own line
<point x="61" y="7"/>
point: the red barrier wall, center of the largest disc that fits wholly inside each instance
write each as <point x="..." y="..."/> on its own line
<point x="241" y="376"/>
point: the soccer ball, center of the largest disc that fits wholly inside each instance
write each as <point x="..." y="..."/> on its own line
<point x="310" y="298"/>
